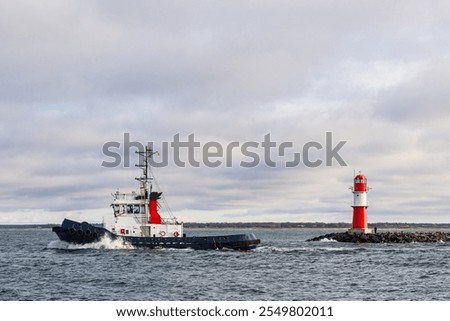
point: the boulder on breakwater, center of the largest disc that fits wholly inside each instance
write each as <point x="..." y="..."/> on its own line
<point x="387" y="237"/>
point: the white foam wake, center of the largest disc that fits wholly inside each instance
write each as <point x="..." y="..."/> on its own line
<point x="105" y="243"/>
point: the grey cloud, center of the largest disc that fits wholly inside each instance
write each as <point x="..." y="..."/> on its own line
<point x="422" y="98"/>
<point x="198" y="55"/>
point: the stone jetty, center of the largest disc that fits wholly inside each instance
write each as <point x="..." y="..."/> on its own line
<point x="387" y="237"/>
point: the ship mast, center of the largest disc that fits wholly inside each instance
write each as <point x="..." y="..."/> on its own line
<point x="145" y="185"/>
<point x="145" y="179"/>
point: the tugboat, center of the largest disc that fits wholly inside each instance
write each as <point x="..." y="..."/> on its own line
<point x="138" y="222"/>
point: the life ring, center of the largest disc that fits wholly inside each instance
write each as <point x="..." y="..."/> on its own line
<point x="72" y="230"/>
<point x="162" y="233"/>
<point x="176" y="234"/>
<point x="87" y="232"/>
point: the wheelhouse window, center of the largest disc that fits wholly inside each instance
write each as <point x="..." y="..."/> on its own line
<point x="119" y="209"/>
<point x="135" y="208"/>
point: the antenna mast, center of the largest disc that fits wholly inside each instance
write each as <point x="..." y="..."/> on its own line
<point x="144" y="179"/>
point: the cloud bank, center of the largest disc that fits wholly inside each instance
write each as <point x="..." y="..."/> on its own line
<point x="80" y="74"/>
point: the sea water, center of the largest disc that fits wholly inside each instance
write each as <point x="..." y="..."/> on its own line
<point x="35" y="265"/>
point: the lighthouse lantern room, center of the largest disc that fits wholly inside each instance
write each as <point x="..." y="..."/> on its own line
<point x="360" y="205"/>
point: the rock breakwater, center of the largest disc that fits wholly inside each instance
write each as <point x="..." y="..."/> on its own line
<point x="387" y="237"/>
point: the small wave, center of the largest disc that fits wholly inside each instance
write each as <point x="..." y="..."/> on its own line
<point x="337" y="249"/>
<point x="325" y="240"/>
<point x="317" y="249"/>
<point x="169" y="249"/>
<point x="104" y="243"/>
<point x="272" y="249"/>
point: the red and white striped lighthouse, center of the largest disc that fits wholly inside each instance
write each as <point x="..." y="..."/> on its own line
<point x="360" y="205"/>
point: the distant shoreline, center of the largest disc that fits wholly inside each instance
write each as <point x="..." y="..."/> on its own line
<point x="313" y="225"/>
<point x="273" y="225"/>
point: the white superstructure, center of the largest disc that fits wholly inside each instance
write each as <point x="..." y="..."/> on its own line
<point x="136" y="214"/>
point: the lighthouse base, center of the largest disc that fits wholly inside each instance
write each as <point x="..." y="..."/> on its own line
<point x="360" y="231"/>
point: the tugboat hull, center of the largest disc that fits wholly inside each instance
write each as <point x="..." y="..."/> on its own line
<point x="84" y="233"/>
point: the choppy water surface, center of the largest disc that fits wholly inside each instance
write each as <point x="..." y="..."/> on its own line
<point x="34" y="265"/>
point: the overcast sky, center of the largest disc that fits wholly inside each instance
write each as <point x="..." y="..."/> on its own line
<point x="78" y="74"/>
